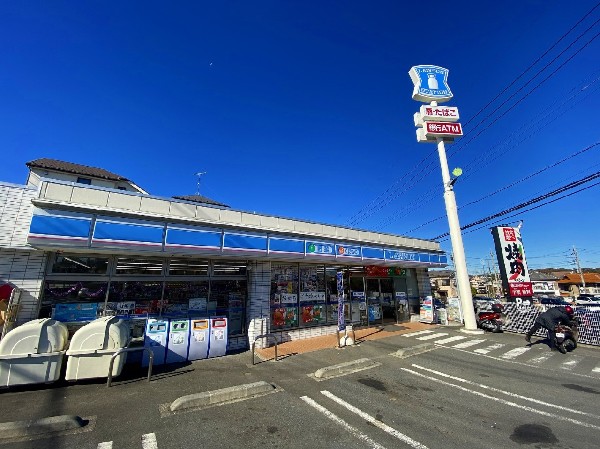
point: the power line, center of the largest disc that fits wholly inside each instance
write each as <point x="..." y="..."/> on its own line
<point x="531" y="175"/>
<point x="569" y="186"/>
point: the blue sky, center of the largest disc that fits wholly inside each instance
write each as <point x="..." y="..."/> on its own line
<point x="304" y="109"/>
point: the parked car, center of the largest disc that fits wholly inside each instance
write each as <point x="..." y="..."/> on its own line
<point x="587" y="301"/>
<point x="555" y="300"/>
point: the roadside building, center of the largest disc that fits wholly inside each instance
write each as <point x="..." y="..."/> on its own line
<point x="82" y="242"/>
<point x="572" y="284"/>
<point x="544" y="284"/>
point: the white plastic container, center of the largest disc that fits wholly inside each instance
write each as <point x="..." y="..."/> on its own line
<point x="92" y="347"/>
<point x="33" y="353"/>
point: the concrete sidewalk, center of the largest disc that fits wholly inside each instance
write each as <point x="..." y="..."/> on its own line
<point x="329" y="341"/>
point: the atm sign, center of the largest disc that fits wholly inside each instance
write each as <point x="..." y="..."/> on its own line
<point x="442" y="129"/>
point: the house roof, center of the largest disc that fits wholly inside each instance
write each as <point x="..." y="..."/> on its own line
<point x="575" y="278"/>
<point x="200" y="199"/>
<point x="536" y="276"/>
<point x="75" y="169"/>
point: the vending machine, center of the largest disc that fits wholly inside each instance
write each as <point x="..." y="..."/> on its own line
<point x="218" y="337"/>
<point x="198" y="339"/>
<point x="179" y="338"/>
<point x="155" y="338"/>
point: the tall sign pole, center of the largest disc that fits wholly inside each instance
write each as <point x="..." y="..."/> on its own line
<point x="439" y="124"/>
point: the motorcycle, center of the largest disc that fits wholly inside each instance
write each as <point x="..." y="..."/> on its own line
<point x="491" y="319"/>
<point x="566" y="336"/>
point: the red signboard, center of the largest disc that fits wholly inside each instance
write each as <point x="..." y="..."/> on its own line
<point x="443" y="129"/>
<point x="520" y="289"/>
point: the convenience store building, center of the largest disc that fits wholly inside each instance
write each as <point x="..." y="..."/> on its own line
<point x="81" y="242"/>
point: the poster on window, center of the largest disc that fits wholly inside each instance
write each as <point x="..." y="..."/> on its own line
<point x="312" y="314"/>
<point x="284" y="317"/>
<point x="197" y="305"/>
<point x="312" y="296"/>
<point x="75" y="311"/>
<point x="511" y="260"/>
<point x="288" y="298"/>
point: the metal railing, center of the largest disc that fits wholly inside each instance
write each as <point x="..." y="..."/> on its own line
<point x="267" y="337"/>
<point x="122" y="350"/>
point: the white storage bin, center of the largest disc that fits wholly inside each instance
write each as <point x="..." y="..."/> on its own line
<point x="92" y="347"/>
<point x="33" y="353"/>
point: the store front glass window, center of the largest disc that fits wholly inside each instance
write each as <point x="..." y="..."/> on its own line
<point x="229" y="268"/>
<point x="71" y="301"/>
<point x="186" y="298"/>
<point x="228" y="298"/>
<point x="188" y="267"/>
<point x="139" y="266"/>
<point x="77" y="264"/>
<point x="312" y="295"/>
<point x="134" y="298"/>
<point x="284" y="296"/>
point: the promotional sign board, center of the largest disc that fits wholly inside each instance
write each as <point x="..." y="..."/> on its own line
<point x="512" y="262"/>
<point x="435" y="129"/>
<point x="436" y="114"/>
<point x="431" y="83"/>
<point x="340" y="292"/>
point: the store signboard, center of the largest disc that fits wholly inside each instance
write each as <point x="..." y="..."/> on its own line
<point x="430" y="83"/>
<point x="401" y="255"/>
<point x="436" y="129"/>
<point x="348" y="251"/>
<point x="321" y="249"/>
<point x="511" y="260"/>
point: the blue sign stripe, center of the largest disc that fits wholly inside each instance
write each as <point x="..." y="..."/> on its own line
<point x="61" y="226"/>
<point x="241" y="241"/>
<point x="193" y="238"/>
<point x="444" y="259"/>
<point x="128" y="232"/>
<point x="373" y="253"/>
<point x="286" y="245"/>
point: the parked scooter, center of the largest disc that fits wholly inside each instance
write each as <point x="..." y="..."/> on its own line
<point x="566" y="336"/>
<point x="491" y="319"/>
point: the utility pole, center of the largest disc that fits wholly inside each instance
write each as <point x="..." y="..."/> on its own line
<point x="579" y="269"/>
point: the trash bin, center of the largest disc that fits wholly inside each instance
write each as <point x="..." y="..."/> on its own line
<point x="179" y="340"/>
<point x="92" y="347"/>
<point x="33" y="353"/>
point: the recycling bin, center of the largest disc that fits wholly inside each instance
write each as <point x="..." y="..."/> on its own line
<point x="155" y="338"/>
<point x="179" y="339"/>
<point x="198" y="339"/>
<point x="33" y="353"/>
<point x="92" y="347"/>
<point x="217" y="345"/>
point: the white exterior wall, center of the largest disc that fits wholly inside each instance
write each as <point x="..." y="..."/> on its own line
<point x="20" y="264"/>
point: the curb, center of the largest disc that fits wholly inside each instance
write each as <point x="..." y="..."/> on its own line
<point x="344" y="368"/>
<point x="52" y="424"/>
<point x="222" y="395"/>
<point x="413" y="350"/>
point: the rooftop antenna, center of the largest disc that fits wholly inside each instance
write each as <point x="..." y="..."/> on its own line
<point x="199" y="174"/>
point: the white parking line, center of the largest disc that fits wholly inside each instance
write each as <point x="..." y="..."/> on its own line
<point x="507" y="393"/>
<point x="375" y="421"/>
<point x="105" y="445"/>
<point x="355" y="432"/>
<point x="468" y="344"/>
<point x="489" y="348"/>
<point x="514" y="353"/>
<point x="413" y="334"/>
<point x="571" y="363"/>
<point x="431" y="337"/>
<point x="149" y="441"/>
<point x="596" y="370"/>
<point x="449" y="340"/>
<point x="540" y="358"/>
<point x="503" y="401"/>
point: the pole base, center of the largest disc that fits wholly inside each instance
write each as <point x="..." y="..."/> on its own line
<point x="473" y="331"/>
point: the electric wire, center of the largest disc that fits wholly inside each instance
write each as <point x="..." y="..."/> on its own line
<point x="528" y="203"/>
<point x="511" y="185"/>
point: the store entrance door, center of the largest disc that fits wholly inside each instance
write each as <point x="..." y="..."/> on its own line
<point x="381" y="304"/>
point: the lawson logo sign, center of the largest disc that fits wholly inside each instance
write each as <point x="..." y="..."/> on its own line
<point x="348" y="251"/>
